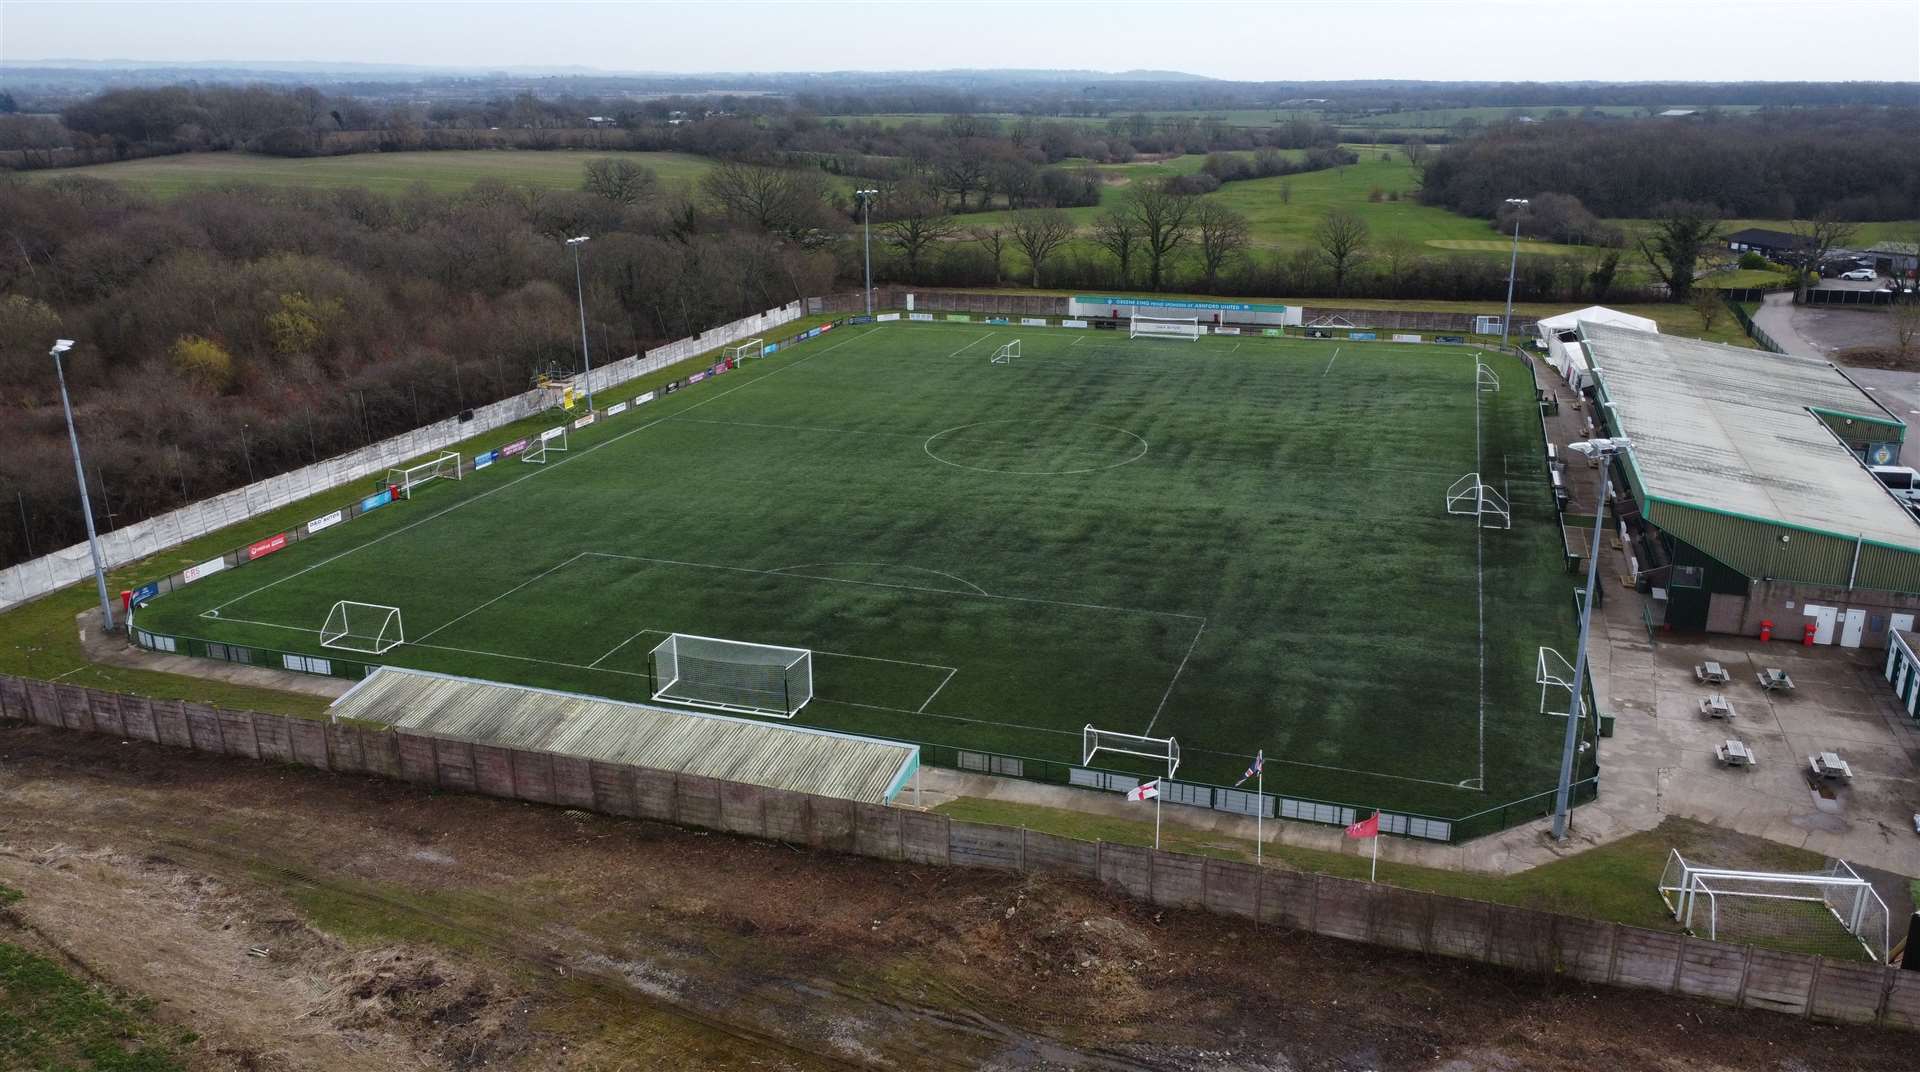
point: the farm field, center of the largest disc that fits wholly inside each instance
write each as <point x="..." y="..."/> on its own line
<point x="963" y="546"/>
<point x="390" y="173"/>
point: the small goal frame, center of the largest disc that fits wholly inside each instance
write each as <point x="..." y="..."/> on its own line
<point x="1006" y="354"/>
<point x="444" y="467"/>
<point x="1094" y="741"/>
<point x="1468" y="497"/>
<point x="1551" y="670"/>
<point x="750" y="348"/>
<point x="553" y="440"/>
<point x="1484" y="378"/>
<point x="374" y="630"/>
<point x="1703" y="899"/>
<point x="677" y="665"/>
<point x="1164" y="327"/>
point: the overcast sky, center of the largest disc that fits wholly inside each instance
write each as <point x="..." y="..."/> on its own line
<point x="1490" y="40"/>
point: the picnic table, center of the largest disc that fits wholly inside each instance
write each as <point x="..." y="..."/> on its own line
<point x="1774" y="679"/>
<point x="1830" y="765"/>
<point x="1711" y="673"/>
<point x="1717" y="706"/>
<point x="1734" y="753"/>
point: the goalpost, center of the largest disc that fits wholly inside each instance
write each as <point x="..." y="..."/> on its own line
<point x="731" y="675"/>
<point x="445" y="467"/>
<point x="553" y="439"/>
<point x="1094" y="741"/>
<point x="750" y="348"/>
<point x="1471" y="498"/>
<point x="1165" y="327"/>
<point x="368" y="628"/>
<point x="1006" y="353"/>
<point x="1829" y="910"/>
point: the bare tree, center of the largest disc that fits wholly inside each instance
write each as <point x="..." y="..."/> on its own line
<point x="1223" y="236"/>
<point x="622" y="182"/>
<point x="1164" y="217"/>
<point x="1706" y="302"/>
<point x="769" y="198"/>
<point x="1342" y="238"/>
<point x="1399" y="253"/>
<point x="1038" y="232"/>
<point x="916" y="220"/>
<point x="1814" y="239"/>
<point x="1681" y="229"/>
<point x="1906" y="325"/>
<point x="994" y="241"/>
<point x="1118" y="234"/>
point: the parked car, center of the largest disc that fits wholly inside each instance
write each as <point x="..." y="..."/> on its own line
<point x="1863" y="274"/>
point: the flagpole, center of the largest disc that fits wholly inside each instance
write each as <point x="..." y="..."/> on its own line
<point x="1259" y="813"/>
<point x="1374" y="872"/>
<point x="1156" y="820"/>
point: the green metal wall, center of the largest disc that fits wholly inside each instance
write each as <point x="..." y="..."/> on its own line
<point x="1762" y="549"/>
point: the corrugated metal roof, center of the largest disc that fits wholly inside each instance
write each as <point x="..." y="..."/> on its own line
<point x="712" y="746"/>
<point x="1728" y="429"/>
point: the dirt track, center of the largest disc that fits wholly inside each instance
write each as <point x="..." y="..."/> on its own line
<point x="406" y="929"/>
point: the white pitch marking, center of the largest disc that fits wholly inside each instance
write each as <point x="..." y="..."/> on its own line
<point x="936" y="691"/>
<point x="536" y="577"/>
<point x="1330" y="361"/>
<point x="596" y="663"/>
<point x="1176" y="677"/>
<point x="973" y="344"/>
<point x="890" y="565"/>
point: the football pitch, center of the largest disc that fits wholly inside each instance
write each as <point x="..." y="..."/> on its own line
<point x="1240" y="543"/>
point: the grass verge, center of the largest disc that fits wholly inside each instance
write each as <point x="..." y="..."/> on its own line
<point x="52" y="1022"/>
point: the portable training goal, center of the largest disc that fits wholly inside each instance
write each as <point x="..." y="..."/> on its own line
<point x="1006" y="353"/>
<point x="1554" y="674"/>
<point x="1469" y="497"/>
<point x="553" y="440"/>
<point x="368" y="628"/>
<point x="750" y="348"/>
<point x="1484" y="378"/>
<point x="1829" y="910"/>
<point x="445" y="467"/>
<point x="1165" y="327"/>
<point x="1094" y="741"/>
<point x="731" y="675"/>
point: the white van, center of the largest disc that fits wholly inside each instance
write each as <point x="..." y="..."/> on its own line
<point x="1902" y="481"/>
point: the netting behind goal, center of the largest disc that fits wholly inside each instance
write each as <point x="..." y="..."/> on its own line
<point x="750" y="348"/>
<point x="1832" y="911"/>
<point x="445" y="467"/>
<point x="732" y="675"/>
<point x="1164" y="327"/>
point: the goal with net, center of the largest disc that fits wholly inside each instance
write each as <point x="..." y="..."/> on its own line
<point x="1469" y="497"/>
<point x="1006" y="353"/>
<point x="732" y="675"/>
<point x="750" y="348"/>
<point x="1094" y="741"/>
<point x="368" y="628"/>
<point x="1832" y="910"/>
<point x="1165" y="327"/>
<point x="445" y="467"/>
<point x="553" y="440"/>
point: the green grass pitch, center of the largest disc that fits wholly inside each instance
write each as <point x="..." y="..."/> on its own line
<point x="1238" y="542"/>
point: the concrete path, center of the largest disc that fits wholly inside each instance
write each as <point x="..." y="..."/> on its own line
<point x="1822" y="330"/>
<point x="115" y="650"/>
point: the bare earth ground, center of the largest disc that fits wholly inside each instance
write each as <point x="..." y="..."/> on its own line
<point x="407" y="929"/>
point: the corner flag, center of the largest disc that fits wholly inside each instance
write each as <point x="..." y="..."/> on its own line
<point x="1144" y="791"/>
<point x="1366" y="828"/>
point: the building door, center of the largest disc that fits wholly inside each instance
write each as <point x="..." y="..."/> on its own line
<point x="1852" y="627"/>
<point x="1901" y="623"/>
<point x="1823" y="620"/>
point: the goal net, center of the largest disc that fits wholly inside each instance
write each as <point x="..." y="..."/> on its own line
<point x="1006" y="353"/>
<point x="368" y="628"/>
<point x="1471" y="498"/>
<point x="445" y="467"/>
<point x="1832" y="911"/>
<point x="1165" y="327"/>
<point x="732" y="675"/>
<point x="1094" y="741"/>
<point x="750" y="348"/>
<point x="553" y="440"/>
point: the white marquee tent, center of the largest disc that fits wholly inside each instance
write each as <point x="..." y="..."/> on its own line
<point x="1563" y="342"/>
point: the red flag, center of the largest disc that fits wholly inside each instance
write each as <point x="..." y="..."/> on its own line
<point x="1145" y="790"/>
<point x="1366" y="828"/>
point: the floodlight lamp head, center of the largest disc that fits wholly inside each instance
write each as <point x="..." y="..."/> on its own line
<point x="577" y="241"/>
<point x="1518" y="201"/>
<point x="61" y="346"/>
<point x="1599" y="448"/>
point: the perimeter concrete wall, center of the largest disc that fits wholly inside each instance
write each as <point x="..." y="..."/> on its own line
<point x="1519" y="939"/>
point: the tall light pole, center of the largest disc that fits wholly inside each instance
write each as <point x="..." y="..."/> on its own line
<point x="866" y="206"/>
<point x="1604" y="450"/>
<point x="580" y="291"/>
<point x="1513" y="268"/>
<point x="61" y="346"/>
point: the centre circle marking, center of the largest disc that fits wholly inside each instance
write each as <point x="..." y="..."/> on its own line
<point x="1130" y="459"/>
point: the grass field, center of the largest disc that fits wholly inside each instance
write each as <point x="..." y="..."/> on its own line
<point x="1239" y="543"/>
<point x="444" y="171"/>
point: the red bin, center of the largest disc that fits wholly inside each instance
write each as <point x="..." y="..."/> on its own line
<point x="1766" y="629"/>
<point x="1806" y="635"/>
